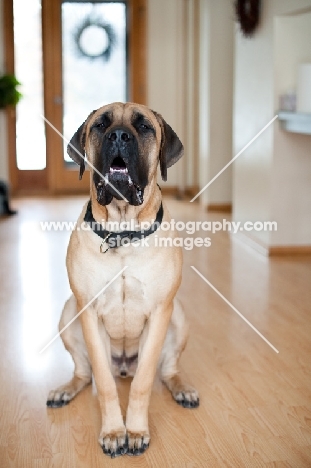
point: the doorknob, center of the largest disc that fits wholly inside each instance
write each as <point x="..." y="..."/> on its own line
<point x="58" y="100"/>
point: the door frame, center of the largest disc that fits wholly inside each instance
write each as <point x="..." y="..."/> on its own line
<point x="54" y="179"/>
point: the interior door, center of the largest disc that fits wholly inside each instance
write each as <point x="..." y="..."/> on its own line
<point x="92" y="53"/>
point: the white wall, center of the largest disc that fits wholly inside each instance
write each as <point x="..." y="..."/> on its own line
<point x="215" y="99"/>
<point x="190" y="74"/>
<point x="3" y="139"/>
<point x="221" y="51"/>
<point x="204" y="101"/>
<point x="292" y="42"/>
<point x="165" y="73"/>
<point x="291" y="171"/>
<point x="272" y="179"/>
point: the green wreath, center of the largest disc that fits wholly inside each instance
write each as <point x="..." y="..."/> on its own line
<point x="109" y="31"/>
<point x="248" y="15"/>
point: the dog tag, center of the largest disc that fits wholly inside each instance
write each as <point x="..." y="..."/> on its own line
<point x="102" y="246"/>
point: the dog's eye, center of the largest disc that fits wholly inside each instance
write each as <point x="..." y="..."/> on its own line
<point x="144" y="127"/>
<point x="100" y="126"/>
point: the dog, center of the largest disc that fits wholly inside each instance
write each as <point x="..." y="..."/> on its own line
<point x="136" y="326"/>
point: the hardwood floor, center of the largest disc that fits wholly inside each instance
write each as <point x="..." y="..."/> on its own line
<point x="255" y="406"/>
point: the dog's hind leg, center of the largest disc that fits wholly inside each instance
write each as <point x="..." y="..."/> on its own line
<point x="175" y="342"/>
<point x="74" y="342"/>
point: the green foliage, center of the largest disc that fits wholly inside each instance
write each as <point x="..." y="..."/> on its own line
<point x="9" y="95"/>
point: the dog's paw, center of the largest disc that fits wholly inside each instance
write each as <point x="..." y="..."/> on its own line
<point x="114" y="444"/>
<point x="64" y="394"/>
<point x="137" y="443"/>
<point x="187" y="397"/>
<point x="59" y="398"/>
<point x="183" y="393"/>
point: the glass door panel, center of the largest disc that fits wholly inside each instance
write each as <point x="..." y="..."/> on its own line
<point x="94" y="60"/>
<point x="30" y="135"/>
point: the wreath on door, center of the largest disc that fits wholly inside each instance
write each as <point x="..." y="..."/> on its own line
<point x="95" y="49"/>
<point x="248" y="15"/>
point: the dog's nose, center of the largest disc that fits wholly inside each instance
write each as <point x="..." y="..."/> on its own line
<point x="119" y="135"/>
<point x="123" y="373"/>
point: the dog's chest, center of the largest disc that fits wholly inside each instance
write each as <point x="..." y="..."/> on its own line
<point x="124" y="307"/>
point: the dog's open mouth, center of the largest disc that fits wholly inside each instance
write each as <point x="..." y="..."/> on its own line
<point x="118" y="172"/>
<point x="118" y="178"/>
<point x="118" y="166"/>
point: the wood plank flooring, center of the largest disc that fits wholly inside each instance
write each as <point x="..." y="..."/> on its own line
<point x="255" y="404"/>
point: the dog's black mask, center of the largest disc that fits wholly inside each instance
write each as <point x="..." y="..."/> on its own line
<point x="121" y="152"/>
<point x="125" y="172"/>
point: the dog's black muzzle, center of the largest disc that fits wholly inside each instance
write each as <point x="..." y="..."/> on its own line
<point x="120" y="136"/>
<point x="124" y="173"/>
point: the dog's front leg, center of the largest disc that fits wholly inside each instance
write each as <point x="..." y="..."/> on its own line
<point x="137" y="412"/>
<point x="113" y="434"/>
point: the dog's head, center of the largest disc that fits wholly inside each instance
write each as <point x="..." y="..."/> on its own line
<point x="124" y="144"/>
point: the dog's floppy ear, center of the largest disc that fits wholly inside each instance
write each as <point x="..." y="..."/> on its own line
<point x="171" y="148"/>
<point x="76" y="146"/>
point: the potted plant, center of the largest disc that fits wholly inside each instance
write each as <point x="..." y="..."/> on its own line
<point x="9" y="95"/>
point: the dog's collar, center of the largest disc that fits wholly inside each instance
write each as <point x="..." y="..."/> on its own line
<point x="115" y="239"/>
